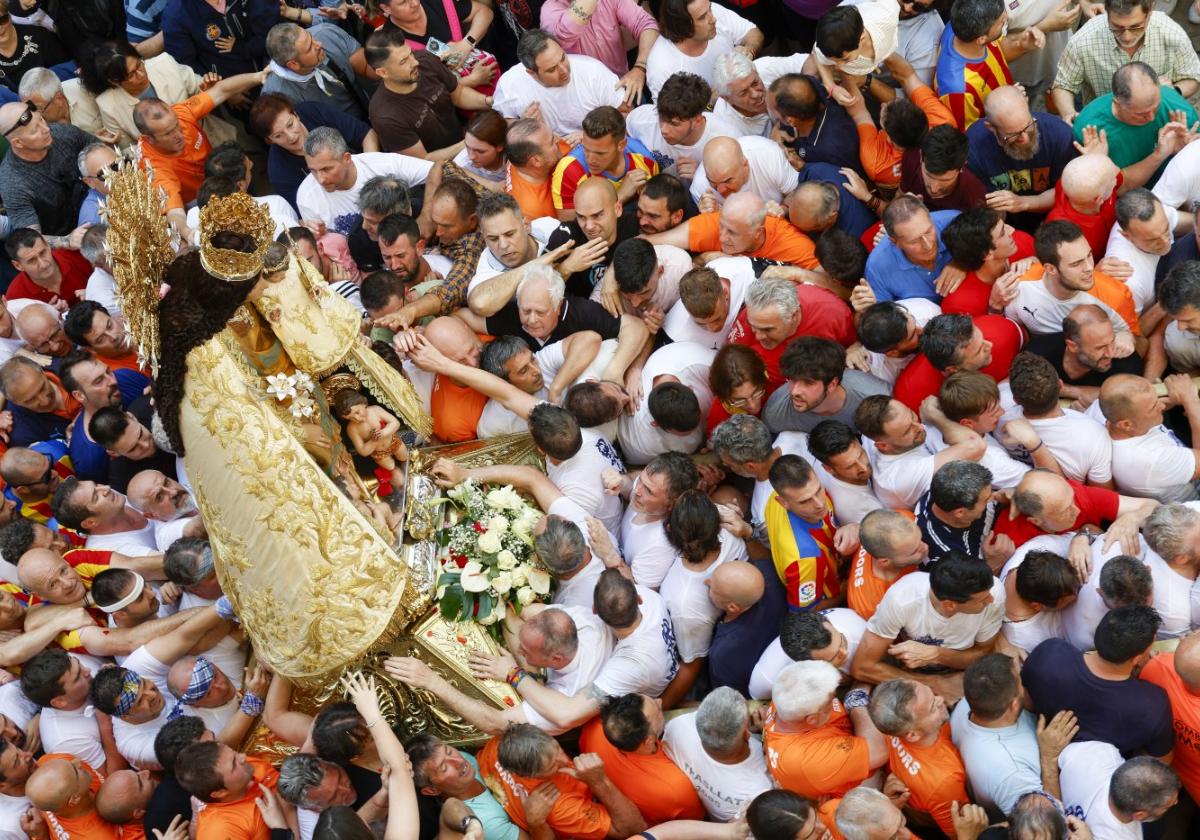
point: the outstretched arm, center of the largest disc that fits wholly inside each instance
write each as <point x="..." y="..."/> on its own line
<point x="534" y="482"/>
<point x="169" y="647"/>
<point x="427" y="357"/>
<point x="226" y="89"/>
<point x="415" y="673"/>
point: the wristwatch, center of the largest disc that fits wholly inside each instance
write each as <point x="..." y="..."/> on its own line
<point x="470" y="39"/>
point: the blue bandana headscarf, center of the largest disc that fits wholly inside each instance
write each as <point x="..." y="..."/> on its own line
<point x="197" y="687"/>
<point x="131" y="687"/>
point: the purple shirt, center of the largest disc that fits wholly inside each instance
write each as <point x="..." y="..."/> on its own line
<point x="600" y="37"/>
<point x="810" y="9"/>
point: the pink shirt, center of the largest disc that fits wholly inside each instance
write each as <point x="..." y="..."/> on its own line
<point x="600" y="37"/>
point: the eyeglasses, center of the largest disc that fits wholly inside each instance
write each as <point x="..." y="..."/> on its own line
<point x="45" y="477"/>
<point x="25" y="118"/>
<point x="112" y="167"/>
<point x="1127" y="30"/>
<point x="1012" y="136"/>
<point x="745" y="401"/>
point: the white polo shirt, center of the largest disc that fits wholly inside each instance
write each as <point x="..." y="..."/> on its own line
<point x="563" y="108"/>
<point x="1155" y="465"/>
<point x="680" y="325"/>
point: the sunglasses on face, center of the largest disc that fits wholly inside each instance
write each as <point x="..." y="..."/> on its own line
<point x="25" y="118"/>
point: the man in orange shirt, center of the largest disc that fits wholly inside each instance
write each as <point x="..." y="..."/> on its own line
<point x="628" y="738"/>
<point x="64" y="788"/>
<point x="920" y="751"/>
<point x="904" y="123"/>
<point x="891" y="548"/>
<point x="90" y="325"/>
<point x="123" y="798"/>
<point x="816" y="746"/>
<point x="589" y="805"/>
<point x="742" y="228"/>
<point x="455" y="407"/>
<point x="174" y="144"/>
<point x="533" y="153"/>
<point x="227" y="782"/>
<point x="1178" y="674"/>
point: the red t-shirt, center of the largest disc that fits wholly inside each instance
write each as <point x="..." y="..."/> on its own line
<point x="968" y="192"/>
<point x="75" y="272"/>
<point x="921" y="379"/>
<point x="1096" y="228"/>
<point x="971" y="297"/>
<point x="1097" y="506"/>
<point x="822" y="314"/>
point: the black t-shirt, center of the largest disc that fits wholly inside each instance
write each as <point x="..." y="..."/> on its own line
<point x="425" y="116"/>
<point x="943" y="538"/>
<point x="737" y="645"/>
<point x="436" y="25"/>
<point x="577" y="315"/>
<point x="1133" y="715"/>
<point x="366" y="784"/>
<point x="121" y="470"/>
<point x="168" y="801"/>
<point x="1052" y="346"/>
<point x="365" y="253"/>
<point x="82" y="21"/>
<point x="1184" y="250"/>
<point x="581" y="283"/>
<point x="36" y="47"/>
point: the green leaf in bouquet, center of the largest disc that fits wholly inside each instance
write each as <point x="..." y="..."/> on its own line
<point x="487" y="603"/>
<point x="468" y="605"/>
<point x="451" y="605"/>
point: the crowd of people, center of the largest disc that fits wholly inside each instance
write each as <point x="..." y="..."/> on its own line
<point x="858" y="341"/>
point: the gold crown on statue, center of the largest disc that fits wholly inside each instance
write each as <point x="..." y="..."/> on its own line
<point x="237" y="213"/>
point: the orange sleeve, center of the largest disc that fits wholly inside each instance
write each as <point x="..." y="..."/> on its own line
<point x="950" y="791"/>
<point x="704" y="232"/>
<point x="877" y="154"/>
<point x="787" y="243"/>
<point x="200" y="105"/>
<point x="1114" y="293"/>
<point x="935" y="109"/>
<point x="578" y="817"/>
<point x="165" y="178"/>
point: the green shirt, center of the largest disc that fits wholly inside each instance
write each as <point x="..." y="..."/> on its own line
<point x="496" y="824"/>
<point x="1128" y="144"/>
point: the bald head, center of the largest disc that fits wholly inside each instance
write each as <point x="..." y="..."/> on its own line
<point x="454" y="339"/>
<point x="1119" y="396"/>
<point x="39" y="327"/>
<point x="21" y="466"/>
<point x="1085" y="315"/>
<point x="596" y="191"/>
<point x="725" y="165"/>
<point x="745" y="209"/>
<point x="1088" y="181"/>
<point x="46" y="574"/>
<point x="813" y="206"/>
<point x="123" y="796"/>
<point x="1187" y="662"/>
<point x="141" y="486"/>
<point x="9" y="114"/>
<point x="54" y="785"/>
<point x="1037" y="489"/>
<point x="736" y="587"/>
<point x="1007" y="104"/>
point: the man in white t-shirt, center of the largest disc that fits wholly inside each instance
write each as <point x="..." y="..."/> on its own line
<point x="1172" y="535"/>
<point x="59" y="683"/>
<point x="1079" y="444"/>
<point x="1143" y="234"/>
<point x="511" y="239"/>
<point x="831" y="636"/>
<point x="111" y="523"/>
<point x="101" y="287"/>
<point x="742" y="86"/>
<point x="742" y="164"/>
<point x="329" y="194"/>
<point x="1116" y="580"/>
<point x="675" y="403"/>
<point x="710" y="299"/>
<point x="652" y="494"/>
<point x="168" y="504"/>
<point x="1113" y="797"/>
<point x="842" y="461"/>
<point x="16" y="766"/>
<point x="746" y="448"/>
<point x="559" y="88"/>
<point x="136" y="695"/>
<point x="649" y="276"/>
<point x="694" y="47"/>
<point x="678" y="127"/>
<point x="1179" y="295"/>
<point x="1147" y="458"/>
<point x="901" y="466"/>
<point x="713" y="745"/>
<point x="891" y="333"/>
<point x="949" y="617"/>
<point x="685" y="593"/>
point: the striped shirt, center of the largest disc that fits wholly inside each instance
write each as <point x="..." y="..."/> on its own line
<point x="963" y="83"/>
<point x="572" y="170"/>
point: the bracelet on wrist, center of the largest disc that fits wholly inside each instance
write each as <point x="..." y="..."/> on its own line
<point x="856" y="698"/>
<point x="252" y="705"/>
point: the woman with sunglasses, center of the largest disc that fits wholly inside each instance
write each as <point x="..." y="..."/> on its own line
<point x="119" y="78"/>
<point x="738" y="378"/>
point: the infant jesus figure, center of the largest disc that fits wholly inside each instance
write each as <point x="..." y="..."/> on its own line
<point x="373" y="432"/>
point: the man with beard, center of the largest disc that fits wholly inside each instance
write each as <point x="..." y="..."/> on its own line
<point x="32" y="475"/>
<point x="1019" y="155"/>
<point x="95" y="385"/>
<point x="90" y="325"/>
<point x="402" y="249"/>
<point x="1082" y="354"/>
<point x="168" y="504"/>
<point x="935" y="172"/>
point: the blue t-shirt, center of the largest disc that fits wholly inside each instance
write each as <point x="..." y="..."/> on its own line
<point x="1133" y="715"/>
<point x="853" y="215"/>
<point x="1002" y="762"/>
<point x="286" y="171"/>
<point x="496" y="824"/>
<point x="999" y="171"/>
<point x="737" y="645"/>
<point x="833" y="138"/>
<point x="89" y="211"/>
<point x="90" y="459"/>
<point x="143" y="18"/>
<point x="892" y="277"/>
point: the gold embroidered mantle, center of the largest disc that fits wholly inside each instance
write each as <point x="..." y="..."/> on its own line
<point x="320" y="330"/>
<point x="313" y="581"/>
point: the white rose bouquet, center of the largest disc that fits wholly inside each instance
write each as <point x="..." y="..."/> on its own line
<point x="487" y="562"/>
